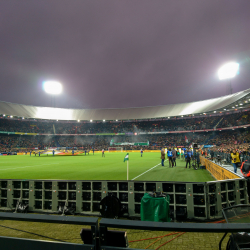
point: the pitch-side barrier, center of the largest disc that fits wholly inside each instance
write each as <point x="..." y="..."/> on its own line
<point x="188" y="200"/>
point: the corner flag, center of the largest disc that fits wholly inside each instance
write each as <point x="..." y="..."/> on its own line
<point x="126" y="158"/>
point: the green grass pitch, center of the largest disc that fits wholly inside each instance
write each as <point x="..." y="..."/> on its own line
<point x="96" y="167"/>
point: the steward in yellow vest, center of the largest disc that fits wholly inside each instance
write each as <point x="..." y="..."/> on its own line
<point x="235" y="157"/>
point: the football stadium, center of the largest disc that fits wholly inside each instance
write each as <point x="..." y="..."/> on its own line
<point x="80" y="163"/>
<point x="124" y="125"/>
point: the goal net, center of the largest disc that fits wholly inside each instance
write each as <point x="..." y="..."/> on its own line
<point x="115" y="149"/>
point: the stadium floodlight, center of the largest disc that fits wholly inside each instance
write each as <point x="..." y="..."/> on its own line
<point x="228" y="70"/>
<point x="103" y="120"/>
<point x="11" y="116"/>
<point x="78" y="120"/>
<point x="91" y="120"/>
<point x="23" y="118"/>
<point x="52" y="87"/>
<point x="3" y="114"/>
<point x="116" y="120"/>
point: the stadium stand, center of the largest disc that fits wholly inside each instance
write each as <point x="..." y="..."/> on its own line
<point x="219" y="138"/>
<point x="174" y="124"/>
<point x="219" y="121"/>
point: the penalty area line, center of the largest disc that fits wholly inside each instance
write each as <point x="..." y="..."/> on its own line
<point x="146" y="171"/>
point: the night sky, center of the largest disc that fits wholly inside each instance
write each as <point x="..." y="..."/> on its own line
<point x="121" y="53"/>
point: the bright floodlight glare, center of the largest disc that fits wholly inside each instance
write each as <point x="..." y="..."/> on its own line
<point x="52" y="87"/>
<point x="229" y="70"/>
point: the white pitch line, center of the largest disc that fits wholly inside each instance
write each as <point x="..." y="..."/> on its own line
<point x="146" y="171"/>
<point x="28" y="166"/>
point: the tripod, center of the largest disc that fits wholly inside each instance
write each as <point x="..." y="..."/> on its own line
<point x="195" y="164"/>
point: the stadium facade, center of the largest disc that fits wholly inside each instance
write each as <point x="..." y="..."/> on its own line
<point x="237" y="101"/>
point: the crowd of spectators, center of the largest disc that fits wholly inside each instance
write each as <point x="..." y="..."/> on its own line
<point x="230" y="137"/>
<point x="26" y="126"/>
<point x="17" y="143"/>
<point x="225" y="142"/>
<point x="222" y="154"/>
<point x="222" y="139"/>
<point x="236" y="119"/>
<point x="173" y="124"/>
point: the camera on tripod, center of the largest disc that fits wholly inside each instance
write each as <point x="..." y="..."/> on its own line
<point x="195" y="163"/>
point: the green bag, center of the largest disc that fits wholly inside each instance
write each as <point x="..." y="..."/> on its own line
<point x="155" y="208"/>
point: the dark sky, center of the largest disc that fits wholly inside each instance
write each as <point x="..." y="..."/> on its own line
<point x="121" y="53"/>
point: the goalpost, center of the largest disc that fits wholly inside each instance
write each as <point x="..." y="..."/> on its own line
<point x="115" y="149"/>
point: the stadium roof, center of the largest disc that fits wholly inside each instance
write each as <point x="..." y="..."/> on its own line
<point x="221" y="104"/>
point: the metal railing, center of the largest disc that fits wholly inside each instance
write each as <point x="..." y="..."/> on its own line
<point x="7" y="243"/>
<point x="167" y="226"/>
<point x="99" y="233"/>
